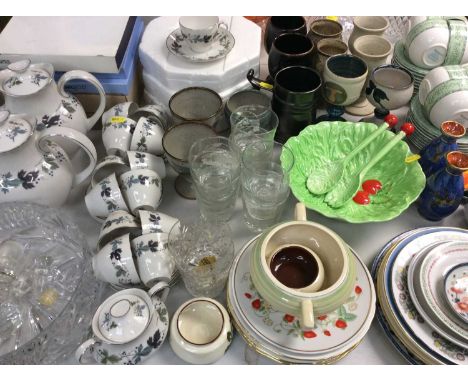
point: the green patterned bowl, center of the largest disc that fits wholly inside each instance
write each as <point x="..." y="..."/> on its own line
<point x="329" y="141"/>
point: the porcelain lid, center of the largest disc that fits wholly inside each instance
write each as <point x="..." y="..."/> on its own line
<point x="14" y="131"/>
<point x="22" y="79"/>
<point x="122" y="318"/>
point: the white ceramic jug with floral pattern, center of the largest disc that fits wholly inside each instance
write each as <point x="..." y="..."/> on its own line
<point x="35" y="168"/>
<point x="31" y="89"/>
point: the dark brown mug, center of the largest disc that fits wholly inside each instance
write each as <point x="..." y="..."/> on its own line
<point x="290" y="49"/>
<point x="283" y="24"/>
<point x="295" y="94"/>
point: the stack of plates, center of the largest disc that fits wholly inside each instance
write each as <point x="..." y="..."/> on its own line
<point x="425" y="131"/>
<point x="400" y="58"/>
<point x="414" y="308"/>
<point x="278" y="336"/>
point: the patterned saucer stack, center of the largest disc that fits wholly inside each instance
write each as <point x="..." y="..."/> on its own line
<point x="279" y="336"/>
<point x="421" y="278"/>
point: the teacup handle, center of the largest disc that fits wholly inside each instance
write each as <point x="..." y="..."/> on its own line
<point x="78" y="138"/>
<point x="300" y="212"/>
<point x="86" y="346"/>
<point x="160" y="289"/>
<point x="307" y="314"/>
<point x="88" y="77"/>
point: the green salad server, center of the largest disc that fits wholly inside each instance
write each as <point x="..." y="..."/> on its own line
<point x="348" y="186"/>
<point x="323" y="178"/>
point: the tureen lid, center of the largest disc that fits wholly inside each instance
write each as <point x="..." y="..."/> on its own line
<point x="122" y="318"/>
<point x="21" y="78"/>
<point x="14" y="131"/>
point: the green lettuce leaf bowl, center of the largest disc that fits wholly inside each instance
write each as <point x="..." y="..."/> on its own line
<point x="330" y="141"/>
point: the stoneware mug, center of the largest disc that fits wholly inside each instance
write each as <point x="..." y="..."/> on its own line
<point x="344" y="77"/>
<point x="200" y="31"/>
<point x="278" y="25"/>
<point x="324" y="29"/>
<point x="295" y="95"/>
<point x="367" y="25"/>
<point x="290" y="49"/>
<point x="390" y="87"/>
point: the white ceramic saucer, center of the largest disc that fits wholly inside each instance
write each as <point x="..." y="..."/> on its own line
<point x="279" y="335"/>
<point x="431" y="278"/>
<point x="456" y="290"/>
<point x="178" y="46"/>
<point x="419" y="299"/>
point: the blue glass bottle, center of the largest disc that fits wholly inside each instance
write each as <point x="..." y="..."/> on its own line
<point x="433" y="155"/>
<point x="444" y="189"/>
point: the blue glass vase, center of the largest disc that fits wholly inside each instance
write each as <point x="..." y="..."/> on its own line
<point x="433" y="155"/>
<point x="444" y="189"/>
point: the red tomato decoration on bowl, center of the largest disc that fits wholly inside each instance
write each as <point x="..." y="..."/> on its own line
<point x="362" y="197"/>
<point x="372" y="186"/>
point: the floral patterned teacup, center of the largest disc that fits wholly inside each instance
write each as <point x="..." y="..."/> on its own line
<point x="105" y="197"/>
<point x="123" y="109"/>
<point x="154" y="222"/>
<point x="157" y="112"/>
<point x="106" y="166"/>
<point x="153" y="258"/>
<point x="117" y="135"/>
<point x="114" y="263"/>
<point x="117" y="224"/>
<point x="147" y="136"/>
<point x="200" y="31"/>
<point x="142" y="189"/>
<point x="138" y="159"/>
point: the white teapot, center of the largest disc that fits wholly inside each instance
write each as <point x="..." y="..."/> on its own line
<point x="31" y="89"/>
<point x="33" y="167"/>
<point x="128" y="327"/>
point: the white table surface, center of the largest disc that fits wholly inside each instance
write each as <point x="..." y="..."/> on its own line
<point x="365" y="239"/>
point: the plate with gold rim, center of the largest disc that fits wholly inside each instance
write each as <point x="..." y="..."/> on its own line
<point x="281" y="333"/>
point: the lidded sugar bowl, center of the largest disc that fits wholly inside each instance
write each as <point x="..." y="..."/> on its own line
<point x="128" y="327"/>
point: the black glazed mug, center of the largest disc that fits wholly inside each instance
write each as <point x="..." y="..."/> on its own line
<point x="295" y="94"/>
<point x="283" y="24"/>
<point x="290" y="49"/>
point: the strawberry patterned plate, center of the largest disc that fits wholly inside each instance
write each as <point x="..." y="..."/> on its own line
<point x="456" y="290"/>
<point x="280" y="334"/>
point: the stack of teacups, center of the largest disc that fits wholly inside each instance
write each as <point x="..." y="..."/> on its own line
<point x="130" y="176"/>
<point x="133" y="250"/>
<point x="442" y="96"/>
<point x="432" y="42"/>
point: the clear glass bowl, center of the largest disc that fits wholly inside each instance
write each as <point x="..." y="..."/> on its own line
<point x="48" y="292"/>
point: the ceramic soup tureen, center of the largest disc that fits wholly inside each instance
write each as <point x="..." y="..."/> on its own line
<point x="31" y="89"/>
<point x="33" y="167"/>
<point x="128" y="327"/>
